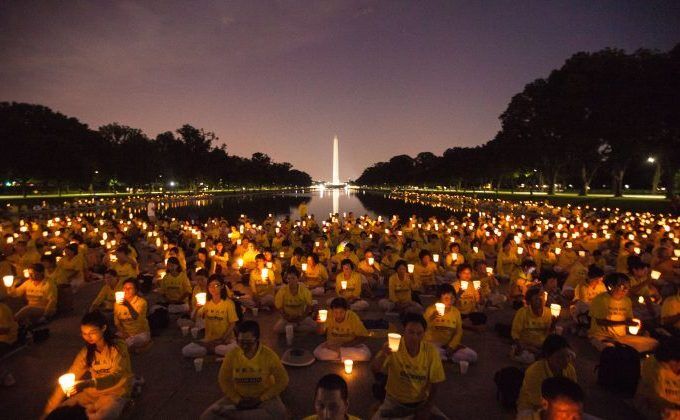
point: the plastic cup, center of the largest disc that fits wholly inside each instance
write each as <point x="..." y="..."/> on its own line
<point x="464" y="285"/>
<point x="120" y="297"/>
<point x="476" y="284"/>
<point x="348" y="366"/>
<point x="201" y="298"/>
<point x="655" y="275"/>
<point x="323" y="314"/>
<point x="371" y="261"/>
<point x="435" y="257"/>
<point x="411" y="267"/>
<point x="393" y="340"/>
<point x="489" y="270"/>
<point x="194" y="332"/>
<point x="555" y="309"/>
<point x="8" y="281"/>
<point x="464" y="365"/>
<point x="441" y="308"/>
<point x="198" y="364"/>
<point x="67" y="381"/>
<point x="290" y="333"/>
<point x="634" y="329"/>
<point x="343" y="284"/>
<point x="185" y="330"/>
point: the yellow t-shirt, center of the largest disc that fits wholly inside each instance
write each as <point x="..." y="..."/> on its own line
<point x="105" y="298"/>
<point x="174" y="288"/>
<point x="262" y="377"/>
<point x="467" y="302"/>
<point x="529" y="328"/>
<point x="345" y="331"/>
<point x="259" y="286"/>
<point x="124" y="321"/>
<point x="124" y="271"/>
<point x="409" y="378"/>
<point x="424" y="275"/>
<point x="587" y="293"/>
<point x="353" y="290"/>
<point x="604" y="307"/>
<point x="400" y="290"/>
<point x="40" y="294"/>
<point x="316" y="276"/>
<point x="110" y="369"/>
<point x="446" y="329"/>
<point x="530" y="393"/>
<point x="671" y="307"/>
<point x="294" y="305"/>
<point x="659" y="381"/>
<point x="217" y="317"/>
<point x="7" y="321"/>
<point x="577" y="275"/>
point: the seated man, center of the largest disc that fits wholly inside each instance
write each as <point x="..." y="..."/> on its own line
<point x="315" y="276"/>
<point x="658" y="394"/>
<point x="345" y="335"/>
<point x="413" y="375"/>
<point x="530" y="326"/>
<point x="262" y="283"/>
<point x="252" y="378"/>
<point x="130" y="317"/>
<point x="557" y="361"/>
<point x="561" y="398"/>
<point x="348" y="285"/>
<point x="585" y="293"/>
<point x="175" y="287"/>
<point x="294" y="302"/>
<point x="330" y="399"/>
<point x="446" y="331"/>
<point x="41" y="296"/>
<point x="400" y="292"/>
<point x="105" y="299"/>
<point x="670" y="312"/>
<point x="611" y="312"/>
<point x="468" y="297"/>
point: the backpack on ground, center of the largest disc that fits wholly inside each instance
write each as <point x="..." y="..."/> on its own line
<point x="619" y="370"/>
<point x="508" y="384"/>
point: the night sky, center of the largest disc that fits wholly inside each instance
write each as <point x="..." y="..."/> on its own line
<point x="282" y="77"/>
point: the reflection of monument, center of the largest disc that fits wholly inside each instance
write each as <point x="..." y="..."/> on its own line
<point x="336" y="162"/>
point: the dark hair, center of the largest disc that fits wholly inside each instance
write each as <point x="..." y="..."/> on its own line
<point x="111" y="272"/>
<point x="411" y="317"/>
<point x="174" y="260"/>
<point x="250" y="326"/>
<point x="424" y="252"/>
<point x="668" y="350"/>
<point x="259" y="257"/>
<point x="613" y="280"/>
<point x="547" y="275"/>
<point x="460" y="268"/>
<point x="222" y="286"/>
<point x="68" y="412"/>
<point x="558" y="386"/>
<point x="293" y="270"/>
<point x="527" y="263"/>
<point x="73" y="248"/>
<point x="340" y="303"/>
<point x="202" y="272"/>
<point x="123" y="249"/>
<point x="595" y="272"/>
<point x="97" y="319"/>
<point x="552" y="344"/>
<point x="133" y="281"/>
<point x="533" y="291"/>
<point x="39" y="268"/>
<point x="444" y="289"/>
<point x="400" y="263"/>
<point x="347" y="261"/>
<point x="315" y="257"/>
<point x="333" y="382"/>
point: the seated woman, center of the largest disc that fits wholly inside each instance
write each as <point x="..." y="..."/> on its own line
<point x="315" y="276"/>
<point x="584" y="295"/>
<point x="130" y="317"/>
<point x="557" y="361"/>
<point x="658" y="393"/>
<point x="426" y="273"/>
<point x="348" y="285"/>
<point x="124" y="264"/>
<point x="370" y="269"/>
<point x="446" y="331"/>
<point x="294" y="302"/>
<point x="520" y="280"/>
<point x="219" y="317"/>
<point x="41" y="297"/>
<point x="175" y="287"/>
<point x="262" y="284"/>
<point x="468" y="298"/>
<point x="105" y="298"/>
<point x="345" y="335"/>
<point x="530" y="326"/>
<point x="106" y="359"/>
<point x="400" y="292"/>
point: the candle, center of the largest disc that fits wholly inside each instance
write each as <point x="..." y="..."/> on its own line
<point x="200" y="298"/>
<point x="264" y="274"/>
<point x="475" y="249"/>
<point x="371" y="261"/>
<point x="477" y="284"/>
<point x="269" y="264"/>
<point x="282" y="254"/>
<point x="676" y="252"/>
<point x="26" y="273"/>
<point x="202" y="244"/>
<point x="569" y="245"/>
<point x="317" y="244"/>
<point x="323" y="314"/>
<point x="120" y="297"/>
<point x="8" y="281"/>
<point x="393" y="340"/>
<point x="348" y="366"/>
<point x="212" y="253"/>
<point x="636" y="250"/>
<point x="67" y="381"/>
<point x="634" y="329"/>
<point x="520" y="251"/>
<point x="641" y="300"/>
<point x="582" y="254"/>
<point x="555" y="309"/>
<point x="440" y="308"/>
<point x="239" y="262"/>
<point x="343" y="284"/>
<point x="464" y="285"/>
<point x="655" y="275"/>
<point x="557" y="251"/>
<point x="304" y="266"/>
<point x="489" y="270"/>
<point x="411" y="267"/>
<point x="113" y="258"/>
<point x="537" y="245"/>
<point x="454" y="257"/>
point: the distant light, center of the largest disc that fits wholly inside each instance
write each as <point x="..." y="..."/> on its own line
<point x="651" y="159"/>
<point x="626" y="186"/>
<point x="173" y="183"/>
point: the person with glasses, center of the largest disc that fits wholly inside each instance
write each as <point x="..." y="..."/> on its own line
<point x="252" y="378"/>
<point x="611" y="313"/>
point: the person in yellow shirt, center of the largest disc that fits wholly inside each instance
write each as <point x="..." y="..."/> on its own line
<point x="122" y="262"/>
<point x="370" y="269"/>
<point x="315" y="276"/>
<point x="8" y="330"/>
<point x="445" y="331"/>
<point x="105" y="299"/>
<point x="628" y="250"/>
<point x="521" y="279"/>
<point x="219" y="317"/>
<point x="426" y="272"/>
<point x="561" y="398"/>
<point x="23" y="256"/>
<point x="251" y="378"/>
<point x="658" y="393"/>
<point x="41" y="296"/>
<point x="130" y="317"/>
<point x="611" y="313"/>
<point x="670" y="312"/>
<point x="346" y="253"/>
<point x="345" y="335"/>
<point x="557" y="361"/>
<point x="400" y="291"/>
<point x="507" y="261"/>
<point x="468" y="297"/>
<point x="175" y="287"/>
<point x="584" y="295"/>
<point x="348" y="285"/>
<point x="414" y="373"/>
<point x="107" y="391"/>
<point x="530" y="326"/>
<point x="331" y="400"/>
<point x="294" y="302"/>
<point x="262" y="284"/>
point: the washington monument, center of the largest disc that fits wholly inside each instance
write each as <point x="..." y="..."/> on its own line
<point x="336" y="163"/>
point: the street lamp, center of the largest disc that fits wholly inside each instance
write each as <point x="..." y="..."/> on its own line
<point x="657" y="173"/>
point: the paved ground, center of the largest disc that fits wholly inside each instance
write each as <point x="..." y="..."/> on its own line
<point x="174" y="390"/>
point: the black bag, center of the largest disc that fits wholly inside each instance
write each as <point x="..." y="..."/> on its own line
<point x="158" y="320"/>
<point x="503" y="330"/>
<point x="619" y="370"/>
<point x="508" y="384"/>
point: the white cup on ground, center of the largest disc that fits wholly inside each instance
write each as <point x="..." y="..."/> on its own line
<point x="198" y="364"/>
<point x="194" y="332"/>
<point x="185" y="330"/>
<point x="464" y="365"/>
<point x="290" y="333"/>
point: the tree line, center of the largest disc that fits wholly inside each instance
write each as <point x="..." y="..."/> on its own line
<point x="46" y="149"/>
<point x="604" y="119"/>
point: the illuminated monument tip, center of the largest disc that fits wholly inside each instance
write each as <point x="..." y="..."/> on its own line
<point x="336" y="163"/>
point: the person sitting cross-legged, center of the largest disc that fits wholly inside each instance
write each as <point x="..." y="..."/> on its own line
<point x="330" y="399"/>
<point x="294" y="302"/>
<point x="530" y="326"/>
<point x="345" y="335"/>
